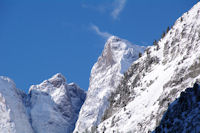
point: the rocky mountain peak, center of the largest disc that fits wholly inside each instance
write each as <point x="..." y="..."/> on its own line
<point x="116" y="49"/>
<point x="113" y="39"/>
<point x="115" y="59"/>
<point x="51" y="85"/>
<point x="54" y="105"/>
<point x="58" y="77"/>
<point x="57" y="80"/>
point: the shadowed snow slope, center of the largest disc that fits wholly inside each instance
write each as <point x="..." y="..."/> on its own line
<point x="54" y="105"/>
<point x="156" y="79"/>
<point x="13" y="115"/>
<point x="115" y="59"/>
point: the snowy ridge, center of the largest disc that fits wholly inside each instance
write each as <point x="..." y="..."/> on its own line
<point x="52" y="106"/>
<point x="157" y="78"/>
<point x="13" y="115"/>
<point x="106" y="74"/>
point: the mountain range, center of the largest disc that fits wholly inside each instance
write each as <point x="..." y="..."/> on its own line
<point x="133" y="89"/>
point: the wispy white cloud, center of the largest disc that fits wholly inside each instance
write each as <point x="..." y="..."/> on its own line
<point x="115" y="7"/>
<point x="99" y="8"/>
<point x="105" y="35"/>
<point x="118" y="7"/>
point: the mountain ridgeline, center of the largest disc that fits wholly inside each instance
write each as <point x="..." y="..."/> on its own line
<point x="50" y="107"/>
<point x="133" y="89"/>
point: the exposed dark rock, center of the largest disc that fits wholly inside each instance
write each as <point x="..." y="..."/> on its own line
<point x="183" y="114"/>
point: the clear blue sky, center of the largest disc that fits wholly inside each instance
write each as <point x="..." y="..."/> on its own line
<point x="39" y="38"/>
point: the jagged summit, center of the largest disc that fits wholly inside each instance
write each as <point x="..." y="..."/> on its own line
<point x="55" y="105"/>
<point x="57" y="80"/>
<point x="117" y="51"/>
<point x="115" y="59"/>
<point x="113" y="39"/>
<point x="52" y="83"/>
<point x="58" y="77"/>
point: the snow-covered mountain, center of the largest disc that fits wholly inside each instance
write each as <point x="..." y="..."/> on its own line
<point x="13" y="115"/>
<point x="127" y="93"/>
<point x="54" y="105"/>
<point x="106" y="74"/>
<point x="156" y="79"/>
<point x="50" y="107"/>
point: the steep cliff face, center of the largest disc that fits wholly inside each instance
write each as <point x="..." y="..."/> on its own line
<point x="54" y="105"/>
<point x="106" y="74"/>
<point x="13" y="114"/>
<point x="156" y="79"/>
